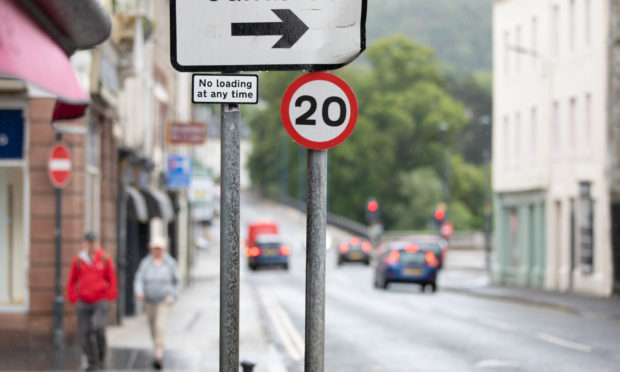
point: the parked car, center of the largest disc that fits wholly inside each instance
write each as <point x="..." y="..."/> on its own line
<point x="405" y="262"/>
<point x="268" y="250"/>
<point x="436" y="243"/>
<point x="354" y="250"/>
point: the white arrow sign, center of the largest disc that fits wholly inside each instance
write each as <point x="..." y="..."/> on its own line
<point x="227" y="35"/>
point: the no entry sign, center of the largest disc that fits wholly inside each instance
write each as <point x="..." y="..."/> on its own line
<point x="59" y="166"/>
<point x="319" y="111"/>
<point x="228" y="35"/>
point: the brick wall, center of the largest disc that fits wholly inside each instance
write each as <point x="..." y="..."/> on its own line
<point x="108" y="196"/>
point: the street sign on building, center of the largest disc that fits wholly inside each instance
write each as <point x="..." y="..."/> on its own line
<point x="59" y="166"/>
<point x="230" y="35"/>
<point x="319" y="111"/>
<point x="193" y="133"/>
<point x="179" y="173"/>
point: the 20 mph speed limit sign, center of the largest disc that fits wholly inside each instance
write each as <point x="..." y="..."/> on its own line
<point x="319" y="111"/>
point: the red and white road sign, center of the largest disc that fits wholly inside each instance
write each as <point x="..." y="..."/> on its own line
<point x="319" y="110"/>
<point x="59" y="166"/>
<point x="447" y="229"/>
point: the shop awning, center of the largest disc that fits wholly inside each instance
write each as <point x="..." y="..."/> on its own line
<point x="139" y="204"/>
<point x="158" y="204"/>
<point x="28" y="53"/>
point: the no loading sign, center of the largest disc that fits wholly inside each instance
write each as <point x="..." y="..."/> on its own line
<point x="319" y="111"/>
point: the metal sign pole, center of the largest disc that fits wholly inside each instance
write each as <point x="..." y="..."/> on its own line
<point x="229" y="239"/>
<point x="315" y="260"/>
<point x="59" y="333"/>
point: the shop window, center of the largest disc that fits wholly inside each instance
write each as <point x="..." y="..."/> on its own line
<point x="12" y="242"/>
<point x="586" y="228"/>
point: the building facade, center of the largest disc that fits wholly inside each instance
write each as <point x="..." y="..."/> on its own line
<point x="553" y="223"/>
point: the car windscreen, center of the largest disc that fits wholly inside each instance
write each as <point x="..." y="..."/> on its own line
<point x="428" y="246"/>
<point x="411" y="258"/>
<point x="268" y="245"/>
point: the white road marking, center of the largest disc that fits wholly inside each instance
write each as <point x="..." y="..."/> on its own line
<point x="503" y="326"/>
<point x="288" y="335"/>
<point x="497" y="363"/>
<point x="564" y="343"/>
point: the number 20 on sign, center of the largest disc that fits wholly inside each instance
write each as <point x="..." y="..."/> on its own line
<point x="319" y="111"/>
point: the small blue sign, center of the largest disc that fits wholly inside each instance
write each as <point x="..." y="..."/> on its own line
<point x="179" y="172"/>
<point x="11" y="134"/>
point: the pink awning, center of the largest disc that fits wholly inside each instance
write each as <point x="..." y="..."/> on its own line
<point x="30" y="54"/>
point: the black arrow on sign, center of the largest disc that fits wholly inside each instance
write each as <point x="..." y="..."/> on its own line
<point x="291" y="28"/>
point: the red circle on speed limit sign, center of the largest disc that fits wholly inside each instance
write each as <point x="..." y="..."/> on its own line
<point x="319" y="110"/>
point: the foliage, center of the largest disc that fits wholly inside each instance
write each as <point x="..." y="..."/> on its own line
<point x="397" y="153"/>
<point x="459" y="30"/>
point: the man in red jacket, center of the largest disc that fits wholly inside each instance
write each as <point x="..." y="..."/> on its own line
<point x="92" y="283"/>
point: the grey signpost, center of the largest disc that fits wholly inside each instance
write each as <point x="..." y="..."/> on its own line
<point x="231" y="36"/>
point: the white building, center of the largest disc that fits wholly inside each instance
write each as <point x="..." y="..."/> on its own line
<point x="552" y="164"/>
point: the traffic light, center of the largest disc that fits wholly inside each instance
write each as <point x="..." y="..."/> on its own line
<point x="440" y="213"/>
<point x="372" y="210"/>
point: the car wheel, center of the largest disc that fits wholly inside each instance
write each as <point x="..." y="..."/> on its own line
<point x="339" y="262"/>
<point x="367" y="263"/>
<point x="386" y="284"/>
<point x="252" y="267"/>
<point x="286" y="266"/>
<point x="433" y="287"/>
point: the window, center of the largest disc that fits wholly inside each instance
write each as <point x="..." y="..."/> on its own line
<point x="507" y="52"/>
<point x="506" y="142"/>
<point x="588" y="22"/>
<point x="571" y="26"/>
<point x="93" y="179"/>
<point x="586" y="228"/>
<point x="518" y="50"/>
<point x="12" y="238"/>
<point x="517" y="137"/>
<point x="572" y="122"/>
<point x="534" y="39"/>
<point x="555" y="30"/>
<point x="555" y="123"/>
<point x="533" y="137"/>
<point x="588" y="124"/>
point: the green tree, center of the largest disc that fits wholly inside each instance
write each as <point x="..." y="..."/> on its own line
<point x="397" y="153"/>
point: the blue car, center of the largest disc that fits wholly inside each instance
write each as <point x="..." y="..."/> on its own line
<point x="406" y="262"/>
<point x="268" y="250"/>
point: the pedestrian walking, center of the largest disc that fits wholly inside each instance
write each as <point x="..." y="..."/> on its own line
<point x="157" y="283"/>
<point x="92" y="284"/>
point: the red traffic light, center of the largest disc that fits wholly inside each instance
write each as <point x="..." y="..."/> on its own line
<point x="440" y="214"/>
<point x="373" y="206"/>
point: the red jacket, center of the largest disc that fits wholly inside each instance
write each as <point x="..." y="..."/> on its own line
<point x="92" y="283"/>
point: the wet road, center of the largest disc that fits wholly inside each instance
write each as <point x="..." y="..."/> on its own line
<point x="404" y="329"/>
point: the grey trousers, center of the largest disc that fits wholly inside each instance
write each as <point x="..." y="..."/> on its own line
<point x="92" y="321"/>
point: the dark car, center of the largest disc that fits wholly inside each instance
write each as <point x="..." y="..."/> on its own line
<point x="268" y="250"/>
<point x="436" y="243"/>
<point x="355" y="250"/>
<point x="405" y="262"/>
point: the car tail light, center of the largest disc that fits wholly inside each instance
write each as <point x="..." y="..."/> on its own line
<point x="355" y="241"/>
<point x="254" y="252"/>
<point x="392" y="258"/>
<point x="412" y="248"/>
<point x="344" y="248"/>
<point x="285" y="250"/>
<point x="366" y="247"/>
<point x="431" y="260"/>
